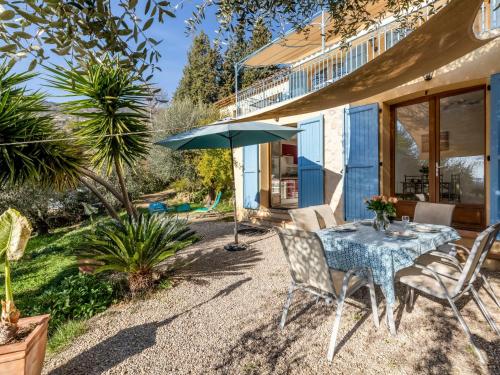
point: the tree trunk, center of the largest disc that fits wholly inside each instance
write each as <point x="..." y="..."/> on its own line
<point x="128" y="205"/>
<point x="99" y="196"/>
<point x="104" y="183"/>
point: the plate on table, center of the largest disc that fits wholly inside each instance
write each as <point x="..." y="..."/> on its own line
<point x="422" y="228"/>
<point x="406" y="235"/>
<point x="345" y="228"/>
<point x="367" y="222"/>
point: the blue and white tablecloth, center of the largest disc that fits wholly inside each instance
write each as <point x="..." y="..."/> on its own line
<point x="384" y="256"/>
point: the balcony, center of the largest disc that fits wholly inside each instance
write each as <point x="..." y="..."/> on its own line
<point x="333" y="63"/>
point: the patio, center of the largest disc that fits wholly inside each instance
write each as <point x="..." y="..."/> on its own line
<point x="222" y="315"/>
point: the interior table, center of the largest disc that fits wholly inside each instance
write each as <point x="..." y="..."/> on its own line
<point x="385" y="256"/>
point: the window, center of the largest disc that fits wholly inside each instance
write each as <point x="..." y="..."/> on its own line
<point x="284" y="179"/>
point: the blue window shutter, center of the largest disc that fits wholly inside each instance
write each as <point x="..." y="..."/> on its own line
<point x="361" y="180"/>
<point x="495" y="149"/>
<point x="310" y="167"/>
<point x="251" y="193"/>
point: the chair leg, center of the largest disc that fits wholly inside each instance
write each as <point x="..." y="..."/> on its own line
<point x="373" y="300"/>
<point x="287" y="305"/>
<point x="487" y="286"/>
<point x="338" y="315"/>
<point x="466" y="329"/>
<point x="484" y="311"/>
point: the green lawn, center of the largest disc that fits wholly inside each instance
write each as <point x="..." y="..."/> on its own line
<point x="47" y="260"/>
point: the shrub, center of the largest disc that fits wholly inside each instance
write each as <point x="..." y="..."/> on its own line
<point x="136" y="247"/>
<point x="77" y="297"/>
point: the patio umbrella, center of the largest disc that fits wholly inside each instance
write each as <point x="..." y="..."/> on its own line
<point x="225" y="135"/>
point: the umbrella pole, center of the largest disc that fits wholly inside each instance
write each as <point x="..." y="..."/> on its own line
<point x="234" y="194"/>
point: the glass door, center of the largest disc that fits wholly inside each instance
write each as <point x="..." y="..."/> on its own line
<point x="462" y="148"/>
<point x="439" y="154"/>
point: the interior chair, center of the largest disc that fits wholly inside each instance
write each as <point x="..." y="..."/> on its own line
<point x="433" y="213"/>
<point x="443" y="277"/>
<point x="310" y="272"/>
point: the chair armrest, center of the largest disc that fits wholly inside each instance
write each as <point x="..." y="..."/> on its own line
<point x="436" y="276"/>
<point x="451" y="258"/>
<point x="460" y="247"/>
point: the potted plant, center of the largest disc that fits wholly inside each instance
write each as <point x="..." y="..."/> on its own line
<point x="384" y="207"/>
<point x="22" y="341"/>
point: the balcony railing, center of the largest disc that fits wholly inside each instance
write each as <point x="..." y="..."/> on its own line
<point x="336" y="62"/>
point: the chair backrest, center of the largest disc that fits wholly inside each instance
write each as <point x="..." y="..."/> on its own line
<point x="434" y="213"/>
<point x="480" y="249"/>
<point x="325" y="216"/>
<point x="305" y="219"/>
<point x="306" y="259"/>
<point x="216" y="201"/>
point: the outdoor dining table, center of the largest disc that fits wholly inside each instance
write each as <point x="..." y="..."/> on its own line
<point x="368" y="248"/>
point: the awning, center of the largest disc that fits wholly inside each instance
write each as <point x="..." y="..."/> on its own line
<point x="445" y="37"/>
<point x="296" y="44"/>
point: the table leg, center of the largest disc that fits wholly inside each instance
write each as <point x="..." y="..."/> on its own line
<point x="389" y="315"/>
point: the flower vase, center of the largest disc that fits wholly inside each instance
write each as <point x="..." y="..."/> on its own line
<point x="381" y="221"/>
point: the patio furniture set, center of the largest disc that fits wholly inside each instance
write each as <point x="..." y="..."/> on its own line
<point x="333" y="261"/>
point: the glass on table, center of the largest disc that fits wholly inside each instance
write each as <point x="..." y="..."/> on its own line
<point x="405" y="220"/>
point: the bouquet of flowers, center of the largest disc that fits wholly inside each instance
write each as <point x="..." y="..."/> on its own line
<point x="381" y="203"/>
<point x="384" y="207"/>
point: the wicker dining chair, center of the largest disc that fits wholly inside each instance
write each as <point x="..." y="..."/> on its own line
<point x="310" y="272"/>
<point x="443" y="277"/>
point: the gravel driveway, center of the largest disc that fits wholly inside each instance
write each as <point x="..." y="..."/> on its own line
<point x="221" y="317"/>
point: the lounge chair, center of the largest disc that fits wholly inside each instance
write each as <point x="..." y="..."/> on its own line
<point x="212" y="207"/>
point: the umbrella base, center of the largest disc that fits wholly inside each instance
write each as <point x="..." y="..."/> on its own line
<point x="235" y="247"/>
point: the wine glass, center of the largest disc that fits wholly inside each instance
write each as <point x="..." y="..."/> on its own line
<point x="406" y="221"/>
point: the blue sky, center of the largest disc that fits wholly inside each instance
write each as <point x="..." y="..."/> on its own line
<point x="173" y="48"/>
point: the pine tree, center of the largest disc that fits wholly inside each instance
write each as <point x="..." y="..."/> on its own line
<point x="200" y="78"/>
<point x="237" y="50"/>
<point x="261" y="35"/>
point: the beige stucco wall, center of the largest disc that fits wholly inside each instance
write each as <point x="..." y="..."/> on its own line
<point x="471" y="70"/>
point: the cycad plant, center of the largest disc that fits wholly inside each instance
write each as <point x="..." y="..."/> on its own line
<point x="136" y="246"/>
<point x="15" y="232"/>
<point x="112" y="106"/>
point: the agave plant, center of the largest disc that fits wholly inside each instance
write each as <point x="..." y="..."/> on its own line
<point x="136" y="246"/>
<point x="15" y="232"/>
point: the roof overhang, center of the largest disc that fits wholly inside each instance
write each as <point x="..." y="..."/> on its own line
<point x="445" y="37"/>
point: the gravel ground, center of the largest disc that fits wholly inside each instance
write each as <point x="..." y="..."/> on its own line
<point x="221" y="317"/>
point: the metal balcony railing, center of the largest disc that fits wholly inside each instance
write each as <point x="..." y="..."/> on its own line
<point x="315" y="72"/>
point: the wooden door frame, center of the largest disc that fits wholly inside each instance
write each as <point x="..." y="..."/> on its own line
<point x="434" y="135"/>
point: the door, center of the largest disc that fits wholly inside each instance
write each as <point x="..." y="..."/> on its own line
<point x="495" y="150"/>
<point x="297" y="83"/>
<point x="310" y="162"/>
<point x="440" y="154"/>
<point x="361" y="180"/>
<point x="251" y="193"/>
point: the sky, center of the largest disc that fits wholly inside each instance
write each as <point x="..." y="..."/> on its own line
<point x="174" y="48"/>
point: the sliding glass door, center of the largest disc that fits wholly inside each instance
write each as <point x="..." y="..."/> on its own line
<point x="439" y="154"/>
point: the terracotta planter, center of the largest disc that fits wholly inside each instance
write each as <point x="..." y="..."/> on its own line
<point x="26" y="357"/>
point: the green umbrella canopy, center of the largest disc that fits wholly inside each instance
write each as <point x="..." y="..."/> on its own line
<point x="224" y="135"/>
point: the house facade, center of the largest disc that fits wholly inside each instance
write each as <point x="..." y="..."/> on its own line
<point x="434" y="138"/>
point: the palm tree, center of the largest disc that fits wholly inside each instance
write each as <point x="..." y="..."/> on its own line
<point x="30" y="147"/>
<point x="113" y="106"/>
